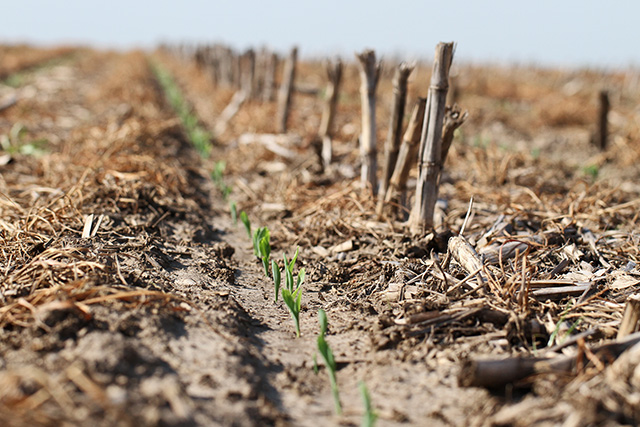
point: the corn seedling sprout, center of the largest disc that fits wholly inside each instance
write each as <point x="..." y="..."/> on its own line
<point x="288" y="268"/>
<point x="327" y="355"/>
<point x="292" y="292"/>
<point x="247" y="224"/>
<point x="198" y="135"/>
<point x="262" y="247"/>
<point x="370" y="416"/>
<point x="556" y="330"/>
<point x="217" y="174"/>
<point x="234" y="212"/>
<point x="264" y="251"/>
<point x="275" y="270"/>
<point x="293" y="302"/>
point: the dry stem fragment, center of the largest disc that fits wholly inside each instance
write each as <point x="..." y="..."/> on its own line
<point x="430" y="154"/>
<point x="369" y="75"/>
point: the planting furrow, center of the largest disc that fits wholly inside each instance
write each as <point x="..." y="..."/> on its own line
<point x="305" y="397"/>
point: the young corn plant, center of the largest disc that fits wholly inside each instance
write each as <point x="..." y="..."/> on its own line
<point x="217" y="175"/>
<point x="292" y="292"/>
<point x="293" y="302"/>
<point x="265" y="251"/>
<point x="330" y="362"/>
<point x="275" y="271"/>
<point x="288" y="269"/>
<point x="262" y="247"/>
<point x="370" y="416"/>
<point x="234" y="212"/>
<point x="197" y="134"/>
<point x="556" y="330"/>
<point x="247" y="224"/>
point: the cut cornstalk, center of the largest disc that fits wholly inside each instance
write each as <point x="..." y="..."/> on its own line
<point x="286" y="88"/>
<point x="249" y="72"/>
<point x="631" y="317"/>
<point x="395" y="192"/>
<point x="369" y="76"/>
<point x="270" y="66"/>
<point x="334" y="74"/>
<point x="603" y="114"/>
<point x="394" y="136"/>
<point x="430" y="153"/>
<point x="453" y="119"/>
<point x="395" y="195"/>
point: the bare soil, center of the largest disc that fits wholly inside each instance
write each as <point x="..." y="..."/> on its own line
<point x="162" y="315"/>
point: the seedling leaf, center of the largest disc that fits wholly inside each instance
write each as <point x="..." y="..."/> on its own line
<point x="300" y="278"/>
<point x="293" y="304"/>
<point x="265" y="251"/>
<point x="327" y="355"/>
<point x="276" y="277"/>
<point x="288" y="274"/>
<point x="322" y="318"/>
<point x="247" y="224"/>
<point x="234" y="213"/>
<point x="370" y="416"/>
<point x="294" y="259"/>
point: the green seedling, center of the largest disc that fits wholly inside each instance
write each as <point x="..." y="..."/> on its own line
<point x="257" y="237"/>
<point x="247" y="224"/>
<point x="370" y="416"/>
<point x="288" y="269"/>
<point x="275" y="270"/>
<point x="262" y="247"/>
<point x="234" y="213"/>
<point x="265" y="251"/>
<point x="556" y="330"/>
<point x="197" y="135"/>
<point x="292" y="292"/>
<point x="217" y="175"/>
<point x="330" y="362"/>
<point x="293" y="302"/>
<point x="592" y="171"/>
<point x="15" y="142"/>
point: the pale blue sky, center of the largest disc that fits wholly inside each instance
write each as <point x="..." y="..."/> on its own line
<point x="572" y="32"/>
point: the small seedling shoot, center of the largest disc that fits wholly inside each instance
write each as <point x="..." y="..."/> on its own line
<point x="262" y="247"/>
<point x="288" y="268"/>
<point x="264" y="250"/>
<point x="234" y="212"/>
<point x="293" y="303"/>
<point x="369" y="418"/>
<point x="275" y="270"/>
<point x="556" y="330"/>
<point x="247" y="224"/>
<point x="327" y="355"/>
<point x="292" y="292"/>
<point x="217" y="175"/>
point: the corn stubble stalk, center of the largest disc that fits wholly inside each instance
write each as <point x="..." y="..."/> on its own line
<point x="631" y="317"/>
<point x="248" y="72"/>
<point x="603" y="114"/>
<point x="394" y="136"/>
<point x="395" y="191"/>
<point x="394" y="197"/>
<point x="270" y="67"/>
<point x="334" y="75"/>
<point x="453" y="119"/>
<point x="286" y="88"/>
<point x="369" y="76"/>
<point x="430" y="153"/>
